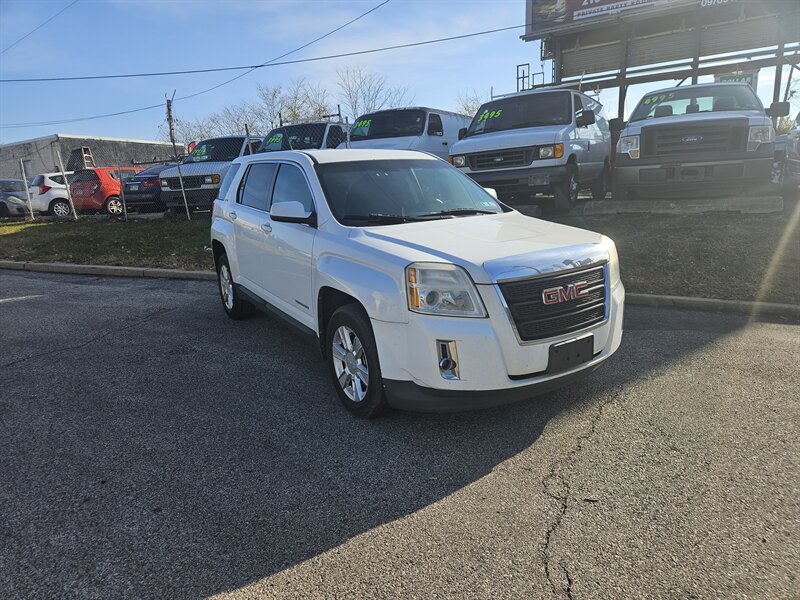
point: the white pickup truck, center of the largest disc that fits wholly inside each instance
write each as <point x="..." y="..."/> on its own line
<point x="422" y="290"/>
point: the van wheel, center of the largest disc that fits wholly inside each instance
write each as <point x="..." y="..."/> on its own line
<point x="566" y="192"/>
<point x="353" y="362"/>
<point x="600" y="186"/>
<point x="235" y="307"/>
<point x="59" y="208"/>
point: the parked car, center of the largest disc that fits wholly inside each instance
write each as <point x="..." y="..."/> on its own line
<point x="549" y="142"/>
<point x="422" y="290"/>
<point x="418" y="128"/>
<point x="303" y="136"/>
<point x="97" y="189"/>
<point x="696" y="140"/>
<point x="13" y="200"/>
<point x="142" y="192"/>
<point x="49" y="194"/>
<point x="203" y="170"/>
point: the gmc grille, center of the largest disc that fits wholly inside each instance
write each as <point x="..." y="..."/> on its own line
<point x="188" y="182"/>
<point x="697" y="139"/>
<point x="500" y="159"/>
<point x="536" y="320"/>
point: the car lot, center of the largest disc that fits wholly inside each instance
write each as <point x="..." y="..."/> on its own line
<point x="152" y="448"/>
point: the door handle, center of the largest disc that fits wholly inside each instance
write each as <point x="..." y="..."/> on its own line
<point x="232" y="215"/>
<point x="444" y="143"/>
<point x="266" y="228"/>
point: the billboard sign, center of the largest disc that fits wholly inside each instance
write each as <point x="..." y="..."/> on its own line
<point x="748" y="77"/>
<point x="551" y="15"/>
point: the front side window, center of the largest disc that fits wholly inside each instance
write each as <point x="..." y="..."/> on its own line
<point x="388" y="123"/>
<point x="291" y="186"/>
<point x="381" y="191"/>
<point x="718" y="98"/>
<point x="217" y="149"/>
<point x="256" y="185"/>
<point x="228" y="180"/>
<point x="527" y="110"/>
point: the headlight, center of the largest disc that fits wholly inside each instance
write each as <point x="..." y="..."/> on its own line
<point x="629" y="145"/>
<point x="613" y="262"/>
<point x="164" y="183"/>
<point x="762" y="134"/>
<point x="211" y="179"/>
<point x="459" y="161"/>
<point x="554" y="151"/>
<point x="442" y="289"/>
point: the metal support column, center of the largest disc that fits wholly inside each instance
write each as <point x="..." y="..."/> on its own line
<point x="623" y="71"/>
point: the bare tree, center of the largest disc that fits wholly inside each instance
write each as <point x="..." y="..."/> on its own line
<point x="468" y="102"/>
<point x="362" y="91"/>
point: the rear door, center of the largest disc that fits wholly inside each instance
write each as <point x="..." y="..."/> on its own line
<point x="251" y="224"/>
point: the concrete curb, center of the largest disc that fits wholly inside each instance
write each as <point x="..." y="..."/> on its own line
<point x="656" y="301"/>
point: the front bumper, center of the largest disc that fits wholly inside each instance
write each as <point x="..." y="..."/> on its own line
<point x="696" y="177"/>
<point x="196" y="198"/>
<point x="139" y="200"/>
<point x="520" y="183"/>
<point x="494" y="367"/>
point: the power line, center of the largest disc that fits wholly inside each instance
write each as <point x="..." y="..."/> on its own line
<point x="39" y="27"/>
<point x="152" y="106"/>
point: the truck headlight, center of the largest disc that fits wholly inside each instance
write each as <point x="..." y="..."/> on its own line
<point x="164" y="183"/>
<point x="211" y="179"/>
<point x="554" y="151"/>
<point x="629" y="145"/>
<point x="613" y="262"/>
<point x="458" y="161"/>
<point x="442" y="289"/>
<point x="761" y="134"/>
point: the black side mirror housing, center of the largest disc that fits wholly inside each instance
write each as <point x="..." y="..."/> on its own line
<point x="587" y="118"/>
<point x="462" y="133"/>
<point x="616" y="124"/>
<point x="778" y="109"/>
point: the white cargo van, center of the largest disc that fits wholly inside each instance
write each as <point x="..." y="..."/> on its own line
<point x="416" y="128"/>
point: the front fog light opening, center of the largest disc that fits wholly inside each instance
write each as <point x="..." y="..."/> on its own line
<point x="448" y="359"/>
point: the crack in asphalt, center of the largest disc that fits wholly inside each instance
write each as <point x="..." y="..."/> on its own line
<point x="155" y="314"/>
<point x="556" y="486"/>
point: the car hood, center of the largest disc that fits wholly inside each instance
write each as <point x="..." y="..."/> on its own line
<point x="195" y="169"/>
<point x="393" y="143"/>
<point x="513" y="138"/>
<point x="690" y="119"/>
<point x="490" y="247"/>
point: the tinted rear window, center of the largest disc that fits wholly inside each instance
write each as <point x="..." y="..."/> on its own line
<point x="85" y="176"/>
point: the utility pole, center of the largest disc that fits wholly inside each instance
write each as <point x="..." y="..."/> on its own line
<point x="175" y="152"/>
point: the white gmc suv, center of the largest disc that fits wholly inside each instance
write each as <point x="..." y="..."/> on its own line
<point x="423" y="291"/>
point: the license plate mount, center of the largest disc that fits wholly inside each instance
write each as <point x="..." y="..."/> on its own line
<point x="568" y="355"/>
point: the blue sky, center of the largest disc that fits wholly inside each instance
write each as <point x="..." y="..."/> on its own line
<point x="114" y="36"/>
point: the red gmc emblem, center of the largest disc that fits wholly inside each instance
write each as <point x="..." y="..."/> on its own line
<point x="572" y="291"/>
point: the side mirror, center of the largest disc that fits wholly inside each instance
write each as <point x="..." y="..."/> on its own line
<point x="492" y="192"/>
<point x="292" y="212"/>
<point x="778" y="109"/>
<point x="587" y="118"/>
<point x="616" y="124"/>
<point x="462" y="133"/>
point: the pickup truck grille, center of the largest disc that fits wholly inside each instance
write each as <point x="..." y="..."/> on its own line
<point x="500" y="159"/>
<point x="696" y="139"/>
<point x="188" y="182"/>
<point x="536" y="320"/>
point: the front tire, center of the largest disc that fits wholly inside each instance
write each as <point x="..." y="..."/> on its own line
<point x="566" y="192"/>
<point x="353" y="362"/>
<point x="234" y="306"/>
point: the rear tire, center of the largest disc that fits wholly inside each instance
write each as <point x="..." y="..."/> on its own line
<point x="566" y="192"/>
<point x="232" y="303"/>
<point x="353" y="362"/>
<point x="60" y="208"/>
<point x="113" y="206"/>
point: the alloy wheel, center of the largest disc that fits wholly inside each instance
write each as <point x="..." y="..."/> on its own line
<point x="350" y="363"/>
<point x="226" y="286"/>
<point x="61" y="209"/>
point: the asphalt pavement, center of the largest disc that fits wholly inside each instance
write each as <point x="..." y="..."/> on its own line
<point x="152" y="448"/>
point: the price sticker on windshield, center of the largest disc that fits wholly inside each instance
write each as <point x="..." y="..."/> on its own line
<point x="275" y="139"/>
<point x="363" y="123"/>
<point x="490" y="114"/>
<point x="658" y="98"/>
<point x="199" y="151"/>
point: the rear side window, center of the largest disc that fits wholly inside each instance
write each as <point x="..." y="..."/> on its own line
<point x="291" y="186"/>
<point x="256" y="185"/>
<point x="122" y="174"/>
<point x="435" y="125"/>
<point x="228" y="180"/>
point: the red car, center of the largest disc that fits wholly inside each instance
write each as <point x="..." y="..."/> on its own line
<point x="97" y="189"/>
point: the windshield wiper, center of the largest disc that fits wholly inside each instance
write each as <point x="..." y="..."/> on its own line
<point x="460" y="212"/>
<point x="386" y="219"/>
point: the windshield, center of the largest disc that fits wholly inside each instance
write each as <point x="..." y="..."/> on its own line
<point x="12" y="185"/>
<point x="294" y="137"/>
<point x="696" y="100"/>
<point x="388" y="123"/>
<point x="217" y="149"/>
<point x="385" y="191"/>
<point x="529" y="110"/>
